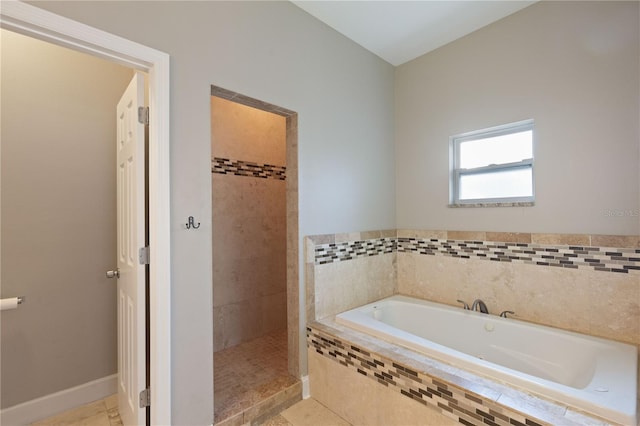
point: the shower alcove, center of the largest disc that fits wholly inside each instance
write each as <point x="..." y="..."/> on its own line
<point x="255" y="256"/>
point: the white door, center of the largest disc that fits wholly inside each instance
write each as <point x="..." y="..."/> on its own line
<point x="131" y="237"/>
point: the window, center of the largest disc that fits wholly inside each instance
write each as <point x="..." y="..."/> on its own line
<point x="493" y="165"/>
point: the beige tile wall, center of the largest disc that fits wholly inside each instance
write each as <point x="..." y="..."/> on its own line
<point x="591" y="302"/>
<point x="294" y="348"/>
<point x="249" y="251"/>
<point x="340" y="286"/>
<point x="345" y="285"/>
<point x="241" y="132"/>
<point x="361" y="401"/>
<point x="249" y="226"/>
<point x="604" y="304"/>
<point x="448" y="390"/>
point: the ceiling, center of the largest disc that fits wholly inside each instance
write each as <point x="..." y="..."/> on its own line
<point x="399" y="31"/>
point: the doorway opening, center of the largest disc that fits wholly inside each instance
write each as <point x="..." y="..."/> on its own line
<point x="65" y="339"/>
<point x="255" y="256"/>
<point x="69" y="314"/>
<point x="37" y="23"/>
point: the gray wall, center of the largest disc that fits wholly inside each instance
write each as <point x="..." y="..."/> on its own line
<point x="275" y="52"/>
<point x="58" y="217"/>
<point x="571" y="66"/>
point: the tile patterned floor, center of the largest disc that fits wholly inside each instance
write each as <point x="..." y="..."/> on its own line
<point x="99" y="413"/>
<point x="307" y="412"/>
<point x="244" y="375"/>
<point x="248" y="373"/>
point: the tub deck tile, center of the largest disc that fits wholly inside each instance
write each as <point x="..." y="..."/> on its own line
<point x="458" y="394"/>
<point x="473" y="398"/>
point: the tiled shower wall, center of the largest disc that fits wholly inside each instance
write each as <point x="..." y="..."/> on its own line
<point x="249" y="222"/>
<point x="584" y="283"/>
<point x="335" y="285"/>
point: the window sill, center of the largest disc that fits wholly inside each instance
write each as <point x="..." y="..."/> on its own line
<point x="493" y="204"/>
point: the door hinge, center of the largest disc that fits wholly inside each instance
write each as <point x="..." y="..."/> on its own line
<point x="143" y="115"/>
<point x="144" y="256"/>
<point x="145" y="398"/>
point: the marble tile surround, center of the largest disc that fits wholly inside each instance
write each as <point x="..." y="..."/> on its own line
<point x="558" y="280"/>
<point x="333" y="287"/>
<point x="362" y="401"/>
<point x="426" y="388"/>
<point x="558" y="296"/>
<point x="590" y="302"/>
<point x="346" y="285"/>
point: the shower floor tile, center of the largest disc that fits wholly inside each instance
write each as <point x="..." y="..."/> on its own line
<point x="248" y="373"/>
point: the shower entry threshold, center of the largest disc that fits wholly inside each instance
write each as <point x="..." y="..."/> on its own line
<point x="252" y="382"/>
<point x="265" y="408"/>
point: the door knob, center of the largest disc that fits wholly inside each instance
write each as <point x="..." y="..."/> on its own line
<point x="113" y="274"/>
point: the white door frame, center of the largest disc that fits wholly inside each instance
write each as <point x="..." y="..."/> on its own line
<point x="38" y="23"/>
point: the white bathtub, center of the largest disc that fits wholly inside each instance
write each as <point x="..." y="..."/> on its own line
<point x="595" y="375"/>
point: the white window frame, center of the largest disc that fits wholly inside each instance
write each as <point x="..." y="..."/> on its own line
<point x="456" y="171"/>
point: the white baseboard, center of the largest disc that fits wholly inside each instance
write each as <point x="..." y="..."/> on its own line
<point x="49" y="405"/>
<point x="306" y="390"/>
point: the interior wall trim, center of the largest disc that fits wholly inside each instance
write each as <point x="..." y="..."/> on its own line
<point x="52" y="404"/>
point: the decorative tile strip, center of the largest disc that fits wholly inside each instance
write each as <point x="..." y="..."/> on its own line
<point x="605" y="259"/>
<point x="336" y="252"/>
<point x="245" y="168"/>
<point x="463" y="406"/>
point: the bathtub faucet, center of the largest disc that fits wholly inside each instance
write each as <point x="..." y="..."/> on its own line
<point x="464" y="304"/>
<point x="479" y="304"/>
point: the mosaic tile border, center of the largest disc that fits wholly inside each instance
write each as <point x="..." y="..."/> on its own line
<point x="336" y="252"/>
<point x="604" y="259"/>
<point x="598" y="258"/>
<point x="464" y="407"/>
<point x="246" y="168"/>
